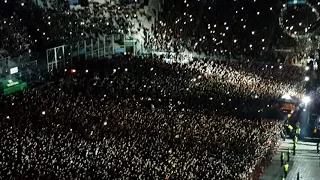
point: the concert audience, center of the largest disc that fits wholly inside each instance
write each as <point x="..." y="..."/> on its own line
<point x="142" y="118"/>
<point x="138" y="118"/>
<point x="56" y="27"/>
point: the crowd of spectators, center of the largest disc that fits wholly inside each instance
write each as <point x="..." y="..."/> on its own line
<point x="179" y="29"/>
<point x="139" y="118"/>
<point x="268" y="80"/>
<point x="14" y="36"/>
<point x="38" y="29"/>
<point x="231" y="28"/>
<point x="246" y="32"/>
<point x="236" y="30"/>
<point x="142" y="118"/>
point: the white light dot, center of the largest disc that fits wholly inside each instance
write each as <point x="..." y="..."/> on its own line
<point x="307" y="68"/>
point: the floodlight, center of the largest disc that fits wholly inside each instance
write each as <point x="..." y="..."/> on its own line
<point x="306" y="99"/>
<point x="306" y="78"/>
<point x="307" y="68"/>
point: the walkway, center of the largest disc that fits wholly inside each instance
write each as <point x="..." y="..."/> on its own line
<point x="306" y="161"/>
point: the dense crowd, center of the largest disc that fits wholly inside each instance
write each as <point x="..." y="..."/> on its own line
<point x="143" y="118"/>
<point x="14" y="36"/>
<point x="139" y="118"/>
<point x="233" y="28"/>
<point x="203" y="31"/>
<point x="56" y="27"/>
<point x="179" y="28"/>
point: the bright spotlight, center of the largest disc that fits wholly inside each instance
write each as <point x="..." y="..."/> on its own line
<point x="307" y="68"/>
<point x="306" y="78"/>
<point x="306" y="99"/>
<point x="286" y="96"/>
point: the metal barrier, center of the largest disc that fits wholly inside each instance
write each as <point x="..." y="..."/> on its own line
<point x="97" y="48"/>
<point x="60" y="56"/>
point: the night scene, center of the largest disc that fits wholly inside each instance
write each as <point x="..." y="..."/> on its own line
<point x="159" y="89"/>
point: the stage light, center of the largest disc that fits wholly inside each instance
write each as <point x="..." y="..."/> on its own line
<point x="306" y="99"/>
<point x="306" y="78"/>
